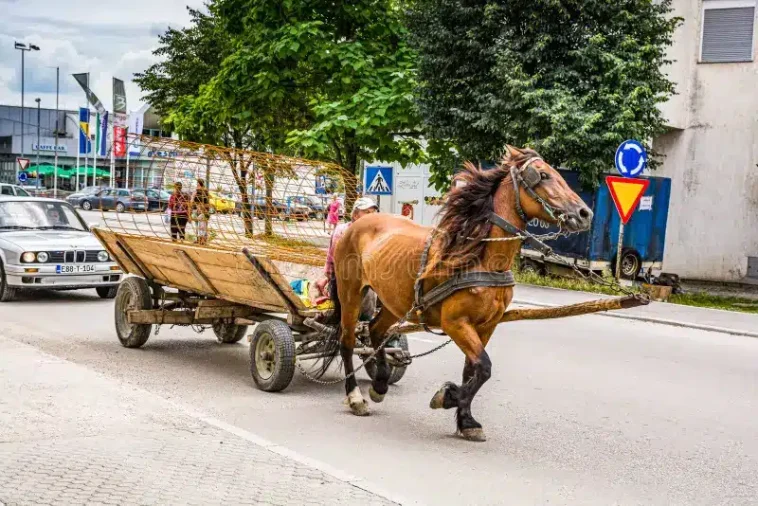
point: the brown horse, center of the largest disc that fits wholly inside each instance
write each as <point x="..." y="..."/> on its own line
<point x="385" y="253"/>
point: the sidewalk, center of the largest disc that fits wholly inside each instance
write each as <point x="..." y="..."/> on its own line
<point x="69" y="435"/>
<point x="730" y="322"/>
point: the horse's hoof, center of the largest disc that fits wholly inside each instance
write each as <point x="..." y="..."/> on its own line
<point x="375" y="397"/>
<point x="358" y="405"/>
<point x="438" y="400"/>
<point x="475" y="434"/>
<point x="360" y="408"/>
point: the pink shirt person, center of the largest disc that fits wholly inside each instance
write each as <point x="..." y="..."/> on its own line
<point x="334" y="213"/>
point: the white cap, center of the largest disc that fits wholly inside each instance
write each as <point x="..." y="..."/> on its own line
<point x="364" y="203"/>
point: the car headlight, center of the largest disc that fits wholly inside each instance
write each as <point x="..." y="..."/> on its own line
<point x="28" y="257"/>
<point x="102" y="256"/>
<point x="42" y="257"/>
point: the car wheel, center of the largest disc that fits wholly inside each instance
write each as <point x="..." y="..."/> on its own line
<point x="319" y="216"/>
<point x="7" y="293"/>
<point x="86" y="205"/>
<point x="107" y="292"/>
<point x="120" y="207"/>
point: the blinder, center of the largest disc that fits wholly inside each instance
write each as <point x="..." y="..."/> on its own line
<point x="531" y="177"/>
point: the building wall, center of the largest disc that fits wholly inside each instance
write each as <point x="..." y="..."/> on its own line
<point x="711" y="155"/>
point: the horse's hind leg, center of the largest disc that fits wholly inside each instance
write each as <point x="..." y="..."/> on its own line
<point x="350" y="298"/>
<point x="378" y="330"/>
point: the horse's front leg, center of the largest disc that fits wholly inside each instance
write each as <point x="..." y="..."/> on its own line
<point x="476" y="371"/>
<point x="355" y="400"/>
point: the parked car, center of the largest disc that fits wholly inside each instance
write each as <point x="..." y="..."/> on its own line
<point x="316" y="205"/>
<point x="13" y="190"/>
<point x="279" y="208"/>
<point x="297" y="210"/>
<point x="157" y="199"/>
<point x="45" y="244"/>
<point x="116" y="199"/>
<point x="221" y="203"/>
<point x="75" y="199"/>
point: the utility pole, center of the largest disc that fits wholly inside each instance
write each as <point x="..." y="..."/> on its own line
<point x="57" y="133"/>
<point x="23" y="48"/>
<point x="38" y="100"/>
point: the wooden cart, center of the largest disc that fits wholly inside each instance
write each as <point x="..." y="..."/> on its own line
<point x="180" y="283"/>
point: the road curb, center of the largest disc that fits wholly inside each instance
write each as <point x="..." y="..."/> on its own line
<point x="650" y="319"/>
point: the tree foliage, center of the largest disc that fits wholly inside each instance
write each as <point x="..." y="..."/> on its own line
<point x="340" y="74"/>
<point x="570" y="78"/>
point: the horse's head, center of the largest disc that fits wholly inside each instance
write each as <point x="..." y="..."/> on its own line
<point x="541" y="192"/>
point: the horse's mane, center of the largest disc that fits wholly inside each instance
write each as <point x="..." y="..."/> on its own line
<point x="464" y="218"/>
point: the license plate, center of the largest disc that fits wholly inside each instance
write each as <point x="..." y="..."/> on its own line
<point x="74" y="269"/>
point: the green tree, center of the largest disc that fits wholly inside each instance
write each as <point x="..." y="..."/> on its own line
<point x="569" y="78"/>
<point x="339" y="76"/>
<point x="178" y="87"/>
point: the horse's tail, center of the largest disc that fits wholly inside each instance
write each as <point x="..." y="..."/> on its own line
<point x="334" y="320"/>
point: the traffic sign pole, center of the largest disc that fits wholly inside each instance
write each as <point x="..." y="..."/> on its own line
<point x="618" y="250"/>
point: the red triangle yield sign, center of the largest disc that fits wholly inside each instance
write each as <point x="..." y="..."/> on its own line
<point x="626" y="193"/>
<point x="23" y="163"/>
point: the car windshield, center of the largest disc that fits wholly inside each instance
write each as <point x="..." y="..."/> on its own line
<point x="31" y="215"/>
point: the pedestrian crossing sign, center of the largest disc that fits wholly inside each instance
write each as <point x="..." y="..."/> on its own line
<point x="377" y="180"/>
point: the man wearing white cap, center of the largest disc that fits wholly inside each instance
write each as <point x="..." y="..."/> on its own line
<point x="361" y="207"/>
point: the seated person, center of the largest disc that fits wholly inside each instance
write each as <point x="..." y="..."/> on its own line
<point x="361" y="207"/>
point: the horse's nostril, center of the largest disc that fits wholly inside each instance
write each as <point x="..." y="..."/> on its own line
<point x="584" y="213"/>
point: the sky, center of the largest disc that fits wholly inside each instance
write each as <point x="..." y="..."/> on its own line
<point x="108" y="38"/>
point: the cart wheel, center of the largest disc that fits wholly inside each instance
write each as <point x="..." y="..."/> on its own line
<point x="396" y="373"/>
<point x="272" y="356"/>
<point x="133" y="294"/>
<point x="106" y="292"/>
<point x="229" y="333"/>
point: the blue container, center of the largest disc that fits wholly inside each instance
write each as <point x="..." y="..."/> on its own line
<point x="644" y="235"/>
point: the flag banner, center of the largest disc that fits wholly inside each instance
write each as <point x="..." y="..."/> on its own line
<point x="103" y="136"/>
<point x="91" y="97"/>
<point x="119" y="96"/>
<point x="84" y="142"/>
<point x="119" y="141"/>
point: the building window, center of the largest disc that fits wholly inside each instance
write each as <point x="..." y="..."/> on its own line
<point x="727" y="34"/>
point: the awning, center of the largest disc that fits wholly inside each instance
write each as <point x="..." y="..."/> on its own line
<point x="45" y="169"/>
<point x="88" y="171"/>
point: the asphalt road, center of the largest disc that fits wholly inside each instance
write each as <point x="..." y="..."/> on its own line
<point x="587" y="410"/>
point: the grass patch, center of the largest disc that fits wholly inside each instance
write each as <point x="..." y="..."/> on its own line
<point x="530" y="278"/>
<point x="697" y="299"/>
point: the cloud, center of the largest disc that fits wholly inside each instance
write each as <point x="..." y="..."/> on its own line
<point x="116" y="39"/>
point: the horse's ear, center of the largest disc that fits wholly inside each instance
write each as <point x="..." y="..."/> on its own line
<point x="511" y="152"/>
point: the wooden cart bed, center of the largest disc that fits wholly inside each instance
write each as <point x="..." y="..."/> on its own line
<point x="224" y="274"/>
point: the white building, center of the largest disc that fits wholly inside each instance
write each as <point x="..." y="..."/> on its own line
<point x="711" y="151"/>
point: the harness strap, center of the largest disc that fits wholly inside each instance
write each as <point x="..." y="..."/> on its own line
<point x="527" y="238"/>
<point x="462" y="281"/>
<point x="418" y="284"/>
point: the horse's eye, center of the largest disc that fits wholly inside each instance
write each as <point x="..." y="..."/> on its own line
<point x="544" y="175"/>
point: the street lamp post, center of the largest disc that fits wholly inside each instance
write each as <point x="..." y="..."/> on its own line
<point x="23" y="48"/>
<point x="57" y="133"/>
<point x="39" y="120"/>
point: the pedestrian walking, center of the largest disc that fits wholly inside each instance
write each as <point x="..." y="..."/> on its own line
<point x="201" y="211"/>
<point x="178" y="204"/>
<point x="333" y="216"/>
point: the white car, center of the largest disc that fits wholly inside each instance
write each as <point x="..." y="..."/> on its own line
<point x="45" y="244"/>
<point x="13" y="190"/>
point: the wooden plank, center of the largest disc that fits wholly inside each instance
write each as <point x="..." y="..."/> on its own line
<point x="157" y="316"/>
<point x="213" y="313"/>
<point x="142" y="268"/>
<point x="195" y="270"/>
<point x="243" y="283"/>
<point x="293" y="307"/>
